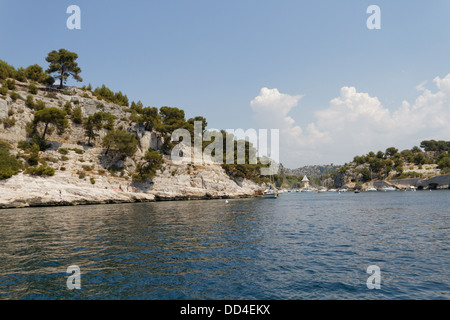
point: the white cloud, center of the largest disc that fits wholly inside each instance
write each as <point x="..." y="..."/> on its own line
<point x="354" y="123"/>
<point x="272" y="107"/>
<point x="443" y="84"/>
<point x="421" y="86"/>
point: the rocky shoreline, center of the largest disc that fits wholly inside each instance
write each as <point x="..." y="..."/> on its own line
<point x="174" y="182"/>
<point x="135" y="198"/>
<point x="65" y="189"/>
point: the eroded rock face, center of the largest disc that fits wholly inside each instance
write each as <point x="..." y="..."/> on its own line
<point x="3" y="109"/>
<point x="176" y="182"/>
<point x="439" y="182"/>
<point x="84" y="178"/>
<point x="202" y="181"/>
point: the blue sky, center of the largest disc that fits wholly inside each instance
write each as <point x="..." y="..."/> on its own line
<point x="212" y="58"/>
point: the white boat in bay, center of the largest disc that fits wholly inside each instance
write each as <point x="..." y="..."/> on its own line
<point x="270" y="194"/>
<point x="388" y="189"/>
<point x="371" y="189"/>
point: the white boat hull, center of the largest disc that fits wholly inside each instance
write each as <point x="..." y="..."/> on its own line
<point x="270" y="195"/>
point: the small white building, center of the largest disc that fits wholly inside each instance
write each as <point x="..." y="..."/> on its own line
<point x="305" y="182"/>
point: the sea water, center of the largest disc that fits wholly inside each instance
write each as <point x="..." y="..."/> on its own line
<point x="299" y="246"/>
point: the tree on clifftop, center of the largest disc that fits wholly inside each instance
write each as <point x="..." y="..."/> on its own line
<point x="63" y="63"/>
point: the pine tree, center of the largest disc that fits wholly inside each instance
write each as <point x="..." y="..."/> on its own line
<point x="63" y="63"/>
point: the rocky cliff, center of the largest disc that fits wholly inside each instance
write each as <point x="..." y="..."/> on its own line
<point x="81" y="173"/>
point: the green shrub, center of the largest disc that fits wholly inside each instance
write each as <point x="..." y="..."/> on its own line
<point x="77" y="115"/>
<point x="409" y="174"/>
<point x="444" y="163"/>
<point x="77" y="151"/>
<point x="68" y="108"/>
<point x="51" y="159"/>
<point x="10" y="84"/>
<point x="81" y="175"/>
<point x="87" y="168"/>
<point x="39" y="105"/>
<point x="114" y="169"/>
<point x="247" y="171"/>
<point x="24" y="145"/>
<point x="9" y="165"/>
<point x="106" y="94"/>
<point x="3" y="91"/>
<point x="153" y="162"/>
<point x="20" y="75"/>
<point x="52" y="95"/>
<point x="32" y="89"/>
<point x="64" y="158"/>
<point x="36" y="73"/>
<point x="92" y="180"/>
<point x="33" y="157"/>
<point x="29" y="102"/>
<point x="8" y="122"/>
<point x="42" y="170"/>
<point x="49" y="80"/>
<point x="63" y="151"/>
<point x="6" y="70"/>
<point x="14" y="95"/>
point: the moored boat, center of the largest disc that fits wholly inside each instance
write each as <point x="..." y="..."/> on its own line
<point x="270" y="194"/>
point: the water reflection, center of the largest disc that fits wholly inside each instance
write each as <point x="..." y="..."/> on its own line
<point x="296" y="247"/>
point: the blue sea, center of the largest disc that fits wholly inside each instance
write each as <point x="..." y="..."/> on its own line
<point x="301" y="246"/>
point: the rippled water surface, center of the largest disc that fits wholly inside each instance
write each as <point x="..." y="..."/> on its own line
<point x="300" y="246"/>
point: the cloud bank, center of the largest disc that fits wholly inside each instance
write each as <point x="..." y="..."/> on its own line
<point x="354" y="123"/>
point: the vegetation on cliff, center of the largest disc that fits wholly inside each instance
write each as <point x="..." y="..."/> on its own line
<point x="61" y="110"/>
<point x="63" y="64"/>
<point x="9" y="165"/>
<point x="428" y="160"/>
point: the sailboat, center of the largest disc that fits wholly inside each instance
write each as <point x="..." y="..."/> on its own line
<point x="271" y="192"/>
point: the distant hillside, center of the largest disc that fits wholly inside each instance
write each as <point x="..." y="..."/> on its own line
<point x="429" y="160"/>
<point x="316" y="171"/>
<point x="393" y="164"/>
